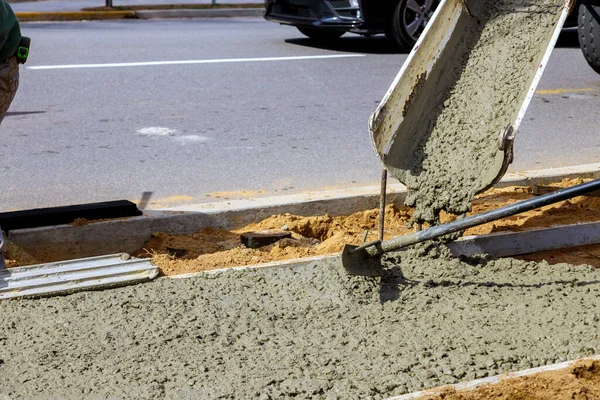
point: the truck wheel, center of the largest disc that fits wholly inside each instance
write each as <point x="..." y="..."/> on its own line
<point x="320" y="35"/>
<point x="408" y="21"/>
<point x="589" y="32"/>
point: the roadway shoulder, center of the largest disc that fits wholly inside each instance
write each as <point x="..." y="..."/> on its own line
<point x="142" y="14"/>
<point x="200" y="13"/>
<point x="73" y="15"/>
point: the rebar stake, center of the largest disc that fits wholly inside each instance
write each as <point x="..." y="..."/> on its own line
<point x="2" y="246"/>
<point x="382" y="203"/>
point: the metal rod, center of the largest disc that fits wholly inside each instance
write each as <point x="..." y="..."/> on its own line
<point x="365" y="235"/>
<point x="483" y="218"/>
<point x="144" y="201"/>
<point x="382" y="203"/>
<point x="2" y="246"/>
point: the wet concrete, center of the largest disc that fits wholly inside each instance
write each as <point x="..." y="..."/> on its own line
<point x="309" y="332"/>
<point x="448" y="149"/>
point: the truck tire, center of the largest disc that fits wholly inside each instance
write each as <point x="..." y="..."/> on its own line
<point x="409" y="18"/>
<point x="320" y="35"/>
<point x="589" y="32"/>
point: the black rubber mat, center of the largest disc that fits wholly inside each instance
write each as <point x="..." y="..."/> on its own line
<point x="67" y="214"/>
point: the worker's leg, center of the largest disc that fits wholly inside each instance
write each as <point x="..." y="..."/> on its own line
<point x="9" y="83"/>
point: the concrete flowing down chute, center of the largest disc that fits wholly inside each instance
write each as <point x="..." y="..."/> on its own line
<point x="446" y="126"/>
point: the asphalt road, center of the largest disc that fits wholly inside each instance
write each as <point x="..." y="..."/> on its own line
<point x="198" y="132"/>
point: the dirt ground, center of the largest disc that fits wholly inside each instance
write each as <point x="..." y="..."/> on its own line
<point x="320" y="235"/>
<point x="210" y="249"/>
<point x="581" y="381"/>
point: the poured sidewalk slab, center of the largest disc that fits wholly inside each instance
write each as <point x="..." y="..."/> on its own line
<point x="304" y="331"/>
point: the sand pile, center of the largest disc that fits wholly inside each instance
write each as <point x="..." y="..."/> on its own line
<point x="321" y="235"/>
<point x="313" y="236"/>
<point x="581" y="381"/>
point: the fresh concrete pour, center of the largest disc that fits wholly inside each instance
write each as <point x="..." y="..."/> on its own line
<point x="309" y="331"/>
<point x="455" y="121"/>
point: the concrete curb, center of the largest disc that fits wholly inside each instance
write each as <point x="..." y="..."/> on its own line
<point x="142" y="14"/>
<point x="491" y="380"/>
<point x="73" y="15"/>
<point x="199" y="13"/>
<point x="128" y="235"/>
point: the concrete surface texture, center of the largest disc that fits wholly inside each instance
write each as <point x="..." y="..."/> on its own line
<point x="76" y="5"/>
<point x="307" y="331"/>
<point x="448" y="150"/>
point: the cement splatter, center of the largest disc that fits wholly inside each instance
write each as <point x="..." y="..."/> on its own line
<point x="156" y="131"/>
<point x="309" y="332"/>
<point x="192" y="139"/>
<point x="469" y="102"/>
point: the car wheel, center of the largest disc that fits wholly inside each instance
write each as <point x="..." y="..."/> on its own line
<point x="408" y="21"/>
<point x="589" y="32"/>
<point x="320" y="35"/>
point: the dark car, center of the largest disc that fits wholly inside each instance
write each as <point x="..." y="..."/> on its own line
<point x="402" y="21"/>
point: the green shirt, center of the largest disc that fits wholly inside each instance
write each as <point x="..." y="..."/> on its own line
<point x="10" y="33"/>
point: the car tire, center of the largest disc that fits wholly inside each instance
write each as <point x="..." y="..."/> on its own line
<point x="320" y="35"/>
<point x="588" y="28"/>
<point x="409" y="18"/>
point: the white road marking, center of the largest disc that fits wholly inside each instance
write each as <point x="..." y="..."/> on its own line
<point x="183" y="62"/>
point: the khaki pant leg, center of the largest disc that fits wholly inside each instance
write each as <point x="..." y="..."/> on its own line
<point x="9" y="83"/>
